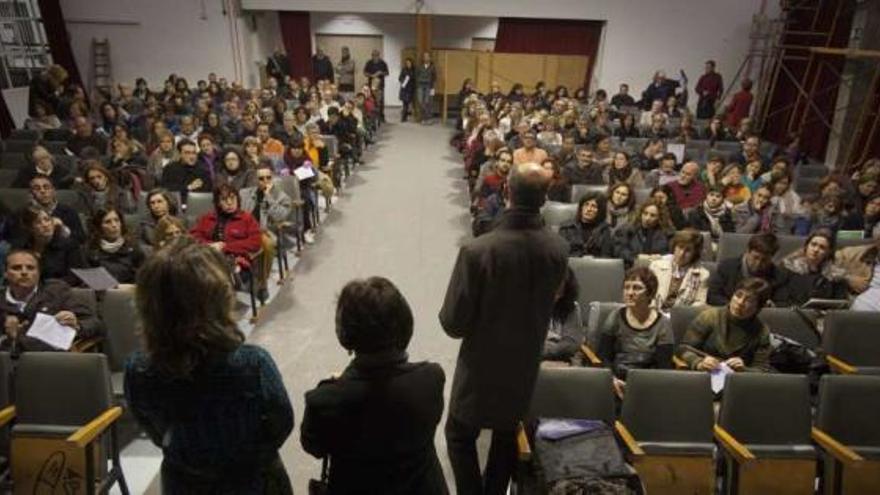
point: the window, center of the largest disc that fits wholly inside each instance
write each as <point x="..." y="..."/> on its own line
<point x="24" y="47"/>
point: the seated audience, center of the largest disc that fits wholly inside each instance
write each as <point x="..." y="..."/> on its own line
<point x="758" y="215"/>
<point x="827" y="213"/>
<point x="862" y="266"/>
<point x="217" y="407"/>
<point x="662" y="197"/>
<point x="711" y="174"/>
<point x="566" y="331"/>
<point x="757" y="262"/>
<point x="589" y="234"/>
<point x="234" y="170"/>
<point x="621" y="204"/>
<point x="664" y="174"/>
<point x="732" y="335"/>
<point x="43" y="117"/>
<point x="29" y="292"/>
<point x="44" y="197"/>
<point x="867" y="220"/>
<point x="649" y="158"/>
<point x="811" y="272"/>
<point x="785" y="198"/>
<point x="681" y="280"/>
<point x="713" y="215"/>
<point x="100" y="190"/>
<point x="735" y="191"/>
<point x="752" y="178"/>
<point x="229" y="229"/>
<point x="585" y="170"/>
<point x="167" y="229"/>
<point x="58" y="251"/>
<point x="164" y="155"/>
<point x="160" y="204"/>
<point x="529" y="153"/>
<point x="111" y="247"/>
<point x="637" y="336"/>
<point x="716" y="131"/>
<point x="184" y="176"/>
<point x="376" y="421"/>
<point x="603" y="155"/>
<point x="647" y="233"/>
<point x="687" y="189"/>
<point x="621" y="170"/>
<point x="628" y="127"/>
<point x="44" y="166"/>
<point x="85" y="138"/>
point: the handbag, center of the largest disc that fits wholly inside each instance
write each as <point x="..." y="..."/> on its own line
<point x="321" y="486"/>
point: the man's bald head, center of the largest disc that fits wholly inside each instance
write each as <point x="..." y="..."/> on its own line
<point x="527" y="185"/>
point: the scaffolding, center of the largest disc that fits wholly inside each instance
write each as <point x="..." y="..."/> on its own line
<point x="795" y="37"/>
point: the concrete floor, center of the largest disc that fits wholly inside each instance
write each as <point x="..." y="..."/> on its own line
<point x="402" y="216"/>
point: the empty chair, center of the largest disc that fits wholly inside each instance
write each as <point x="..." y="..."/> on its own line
<point x="57" y="134"/>
<point x="666" y="424"/>
<point x="557" y="214"/>
<point x="7" y="176"/>
<point x="18" y="146"/>
<point x="764" y="428"/>
<point x="7" y="412"/>
<point x="598" y="279"/>
<point x="594" y="319"/>
<point x="14" y="161"/>
<point x="849" y="433"/>
<point x="851" y="340"/>
<point x="122" y="332"/>
<point x="578" y="191"/>
<point x="731" y="146"/>
<point x="63" y="410"/>
<point x="197" y="204"/>
<point x="680" y="317"/>
<point x="807" y="185"/>
<point x="793" y="323"/>
<point x="16" y="199"/>
<point x="811" y="171"/>
<point x="577" y="393"/>
<point x="24" y="134"/>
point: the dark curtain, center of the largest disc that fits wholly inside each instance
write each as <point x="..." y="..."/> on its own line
<point x="550" y="36"/>
<point x="297" y="35"/>
<point x="795" y="66"/>
<point x="6" y="124"/>
<point x="59" y="41"/>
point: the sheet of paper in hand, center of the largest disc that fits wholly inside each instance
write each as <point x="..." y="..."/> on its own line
<point x="47" y="329"/>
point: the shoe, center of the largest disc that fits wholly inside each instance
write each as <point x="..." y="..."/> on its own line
<point x="309" y="237"/>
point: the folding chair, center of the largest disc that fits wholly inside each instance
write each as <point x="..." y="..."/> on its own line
<point x="197" y="204"/>
<point x="557" y="214"/>
<point x="578" y="191"/>
<point x="117" y="309"/>
<point x="851" y="340"/>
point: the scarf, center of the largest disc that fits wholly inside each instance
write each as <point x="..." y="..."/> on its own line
<point x="112" y="246"/>
<point x="714" y="216"/>
<point x="616" y="175"/>
<point x="615" y="213"/>
<point x="219" y="233"/>
<point x="798" y="264"/>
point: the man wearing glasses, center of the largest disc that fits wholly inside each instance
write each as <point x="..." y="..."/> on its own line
<point x="44" y="197"/>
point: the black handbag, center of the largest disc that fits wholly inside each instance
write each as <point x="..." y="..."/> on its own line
<point x="321" y="486"/>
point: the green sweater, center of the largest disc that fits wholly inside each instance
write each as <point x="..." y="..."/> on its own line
<point x="716" y="333"/>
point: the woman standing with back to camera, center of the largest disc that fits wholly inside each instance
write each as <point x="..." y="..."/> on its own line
<point x="376" y="421"/>
<point x="215" y="406"/>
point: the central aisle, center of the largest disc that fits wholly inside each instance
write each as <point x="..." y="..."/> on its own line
<point x="402" y="216"/>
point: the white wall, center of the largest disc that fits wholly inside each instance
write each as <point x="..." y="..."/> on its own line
<point x="399" y="32"/>
<point x="152" y="39"/>
<point x="640" y="35"/>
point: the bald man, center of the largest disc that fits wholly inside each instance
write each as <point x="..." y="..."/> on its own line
<point x="499" y="301"/>
<point x="687" y="189"/>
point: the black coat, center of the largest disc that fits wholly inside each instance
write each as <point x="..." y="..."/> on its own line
<point x="697" y="219"/>
<point x="595" y="243"/>
<point x="800" y="288"/>
<point x="122" y="264"/>
<point x="377" y="422"/>
<point x="177" y="176"/>
<point x="723" y="282"/>
<point x="58" y="257"/>
<point x="322" y="68"/>
<point x="408" y="92"/>
<point x="499" y="301"/>
<point x="631" y="240"/>
<point x="61" y="177"/>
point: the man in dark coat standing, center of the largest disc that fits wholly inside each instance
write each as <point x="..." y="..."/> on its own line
<point x="499" y="302"/>
<point x="322" y="67"/>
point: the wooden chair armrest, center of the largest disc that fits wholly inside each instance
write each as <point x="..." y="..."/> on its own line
<point x="838" y="450"/>
<point x="88" y="433"/>
<point x="739" y="451"/>
<point x="86" y="344"/>
<point x="628" y="439"/>
<point x="679" y="363"/>
<point x="841" y="366"/>
<point x="7" y="414"/>
<point x="523" y="449"/>
<point x="591" y="356"/>
<point x="255" y="254"/>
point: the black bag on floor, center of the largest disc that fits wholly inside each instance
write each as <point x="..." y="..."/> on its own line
<point x="320" y="487"/>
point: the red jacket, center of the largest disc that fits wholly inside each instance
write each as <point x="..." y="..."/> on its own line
<point x="241" y="235"/>
<point x="739" y="108"/>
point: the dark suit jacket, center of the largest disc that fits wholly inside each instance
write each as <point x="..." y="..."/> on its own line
<point x="52" y="296"/>
<point x="376" y="422"/>
<point x="499" y="301"/>
<point x="177" y="176"/>
<point x="61" y="177"/>
<point x="729" y="272"/>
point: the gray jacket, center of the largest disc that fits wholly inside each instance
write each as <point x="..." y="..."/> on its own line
<point x="499" y="301"/>
<point x="274" y="208"/>
<point x="426" y="76"/>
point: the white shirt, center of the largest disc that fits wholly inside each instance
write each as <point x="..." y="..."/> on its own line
<point x="870" y="299"/>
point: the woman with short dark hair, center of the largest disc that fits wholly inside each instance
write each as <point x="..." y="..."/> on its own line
<point x="810" y="272"/>
<point x="229" y="229"/>
<point x="731" y="335"/>
<point x="159" y="204"/>
<point x="589" y="234"/>
<point x="216" y="406"/>
<point x="110" y="246"/>
<point x="58" y="253"/>
<point x="376" y="421"/>
<point x="566" y="331"/>
<point x="234" y="170"/>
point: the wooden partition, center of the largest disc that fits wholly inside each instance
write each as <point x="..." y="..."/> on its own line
<point x="484" y="68"/>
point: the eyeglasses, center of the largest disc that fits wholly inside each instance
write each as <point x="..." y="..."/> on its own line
<point x="264" y="177"/>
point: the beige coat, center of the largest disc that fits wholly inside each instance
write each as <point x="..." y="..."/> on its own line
<point x="693" y="289"/>
<point x="858" y="261"/>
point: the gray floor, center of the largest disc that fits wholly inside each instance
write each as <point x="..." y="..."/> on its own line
<point x="402" y="216"/>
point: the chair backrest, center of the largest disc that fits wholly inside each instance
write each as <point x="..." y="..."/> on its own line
<point x="72" y="199"/>
<point x="123" y="327"/>
<point x="18" y="145"/>
<point x="681" y="317"/>
<point x="848" y="406"/>
<point x="290" y="185"/>
<point x="556" y="214"/>
<point x="710" y="266"/>
<point x="767" y="409"/>
<point x="594" y="318"/>
<point x="24" y="134"/>
<point x="578" y="191"/>
<point x="574" y="393"/>
<point x="55" y="147"/>
<point x="807" y="185"/>
<point x="332" y="144"/>
<point x="57" y="134"/>
<point x="197" y="204"/>
<point x="732" y="245"/>
<point x="790" y="323"/>
<point x="13" y="160"/>
<point x="811" y="171"/>
<point x="5" y="379"/>
<point x="853" y="336"/>
<point x="7" y="177"/>
<point x="668" y="406"/>
<point x="642" y="194"/>
<point x="60" y="388"/>
<point x="599" y="279"/>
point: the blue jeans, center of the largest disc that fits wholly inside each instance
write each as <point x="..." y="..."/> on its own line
<point x="425" y="101"/>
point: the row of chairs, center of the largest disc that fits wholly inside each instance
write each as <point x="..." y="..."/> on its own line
<point x="60" y="134"/>
<point x="765" y="435"/>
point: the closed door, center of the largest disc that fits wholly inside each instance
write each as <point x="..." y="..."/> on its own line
<point x="360" y="46"/>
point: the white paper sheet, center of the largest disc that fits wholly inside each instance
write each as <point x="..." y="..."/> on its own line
<point x="303" y="173"/>
<point x="405" y="82"/>
<point x="676" y="149"/>
<point x="47" y="329"/>
<point x="719" y="376"/>
<point x="96" y="278"/>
